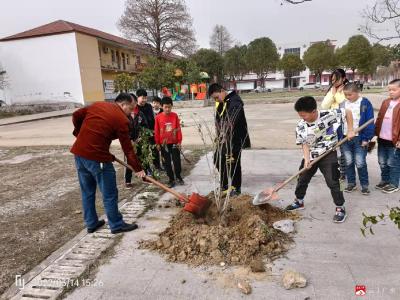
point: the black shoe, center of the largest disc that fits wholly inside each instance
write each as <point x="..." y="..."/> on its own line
<point x="171" y="184"/>
<point x="125" y="228"/>
<point x="180" y="181"/>
<point x="340" y="215"/>
<point x="365" y="191"/>
<point x="350" y="188"/>
<point x="296" y="205"/>
<point x="381" y="185"/>
<point x="100" y="223"/>
<point x="390" y="188"/>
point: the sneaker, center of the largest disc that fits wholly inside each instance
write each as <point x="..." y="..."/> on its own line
<point x="340" y="215"/>
<point x="171" y="184"/>
<point x="128" y="186"/>
<point x="390" y="188"/>
<point x="180" y="181"/>
<point x="125" y="228"/>
<point x="365" y="191"/>
<point x="296" y="205"/>
<point x="381" y="185"/>
<point x="100" y="223"/>
<point x="350" y="188"/>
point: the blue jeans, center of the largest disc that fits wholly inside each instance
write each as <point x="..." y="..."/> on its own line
<point x="92" y="173"/>
<point x="389" y="161"/>
<point x="355" y="156"/>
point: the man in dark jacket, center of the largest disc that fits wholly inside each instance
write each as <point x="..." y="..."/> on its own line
<point x="232" y="137"/>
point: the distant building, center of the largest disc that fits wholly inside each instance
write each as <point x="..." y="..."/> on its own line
<point x="66" y="62"/>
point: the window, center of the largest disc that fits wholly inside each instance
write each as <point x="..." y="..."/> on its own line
<point x="292" y="51"/>
<point x="112" y="55"/>
<point x="138" y="59"/>
<point x="128" y="60"/>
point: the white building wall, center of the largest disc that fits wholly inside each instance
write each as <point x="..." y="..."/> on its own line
<point x="42" y="70"/>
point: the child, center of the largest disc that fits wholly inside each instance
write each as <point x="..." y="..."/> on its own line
<point x="156" y="103"/>
<point x="388" y="132"/>
<point x="168" y="138"/>
<point x="317" y="132"/>
<point x="136" y="121"/>
<point x="335" y="96"/>
<point x="355" y="151"/>
<point x="232" y="137"/>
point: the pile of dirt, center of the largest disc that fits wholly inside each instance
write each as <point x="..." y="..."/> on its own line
<point x="246" y="236"/>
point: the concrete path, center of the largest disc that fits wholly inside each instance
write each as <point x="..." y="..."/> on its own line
<point x="334" y="257"/>
<point x="37" y="117"/>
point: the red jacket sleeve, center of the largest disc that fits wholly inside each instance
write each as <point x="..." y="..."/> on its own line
<point x="157" y="130"/>
<point x="77" y="119"/>
<point x="125" y="141"/>
<point x="178" y="130"/>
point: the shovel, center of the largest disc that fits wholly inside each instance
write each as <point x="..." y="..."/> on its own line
<point x="195" y="204"/>
<point x="272" y="193"/>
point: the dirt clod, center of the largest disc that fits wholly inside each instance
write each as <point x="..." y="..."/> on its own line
<point x="246" y="236"/>
<point x="244" y="287"/>
<point x="257" y="265"/>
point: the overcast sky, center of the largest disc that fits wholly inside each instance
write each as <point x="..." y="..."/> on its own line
<point x="245" y="20"/>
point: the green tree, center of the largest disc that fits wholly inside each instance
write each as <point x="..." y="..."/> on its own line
<point x="235" y="64"/>
<point x="211" y="62"/>
<point x="262" y="57"/>
<point x="319" y="57"/>
<point x="157" y="74"/>
<point x="291" y="64"/>
<point x="356" y="55"/>
<point x="190" y="70"/>
<point x="123" y="82"/>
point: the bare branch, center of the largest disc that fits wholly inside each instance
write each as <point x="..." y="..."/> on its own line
<point x="382" y="20"/>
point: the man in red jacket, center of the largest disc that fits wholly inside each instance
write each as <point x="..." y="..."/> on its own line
<point x="95" y="127"/>
<point x="168" y="138"/>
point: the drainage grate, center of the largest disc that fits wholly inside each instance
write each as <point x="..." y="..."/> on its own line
<point x="64" y="271"/>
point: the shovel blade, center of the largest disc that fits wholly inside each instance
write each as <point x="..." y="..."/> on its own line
<point x="265" y="196"/>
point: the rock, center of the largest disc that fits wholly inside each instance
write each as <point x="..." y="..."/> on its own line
<point x="257" y="265"/>
<point x="222" y="264"/>
<point x="244" y="287"/>
<point x="292" y="279"/>
<point x="183" y="281"/>
<point x="78" y="212"/>
<point x="286" y="226"/>
<point x="166" y="242"/>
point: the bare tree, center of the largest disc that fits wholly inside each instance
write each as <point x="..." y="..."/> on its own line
<point x="165" y="26"/>
<point x="220" y="39"/>
<point x="382" y="20"/>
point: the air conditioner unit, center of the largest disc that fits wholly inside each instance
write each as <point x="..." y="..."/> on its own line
<point x="106" y="49"/>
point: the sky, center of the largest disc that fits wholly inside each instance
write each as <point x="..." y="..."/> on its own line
<point x="245" y="20"/>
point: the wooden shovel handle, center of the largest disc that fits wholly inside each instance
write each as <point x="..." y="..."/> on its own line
<point x="322" y="156"/>
<point x="155" y="182"/>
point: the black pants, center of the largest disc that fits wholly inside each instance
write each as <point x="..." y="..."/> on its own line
<point x="329" y="167"/>
<point x="229" y="165"/>
<point x="128" y="173"/>
<point x="171" y="154"/>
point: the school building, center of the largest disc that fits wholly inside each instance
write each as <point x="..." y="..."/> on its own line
<point x="66" y="62"/>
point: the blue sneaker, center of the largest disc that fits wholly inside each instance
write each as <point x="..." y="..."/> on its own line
<point x="296" y="205"/>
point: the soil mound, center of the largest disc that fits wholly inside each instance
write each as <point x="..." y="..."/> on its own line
<point x="245" y="235"/>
